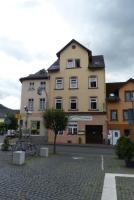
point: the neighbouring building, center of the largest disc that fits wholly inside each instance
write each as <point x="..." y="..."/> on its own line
<point x="120" y="99"/>
<point x="34" y="100"/>
<point x="76" y="83"/>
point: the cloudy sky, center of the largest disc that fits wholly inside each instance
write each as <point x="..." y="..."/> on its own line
<point x="33" y="31"/>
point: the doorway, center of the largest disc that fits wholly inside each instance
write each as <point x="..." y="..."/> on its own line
<point x="94" y="134"/>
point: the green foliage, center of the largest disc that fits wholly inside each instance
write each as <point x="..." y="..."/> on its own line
<point x="6" y="144"/>
<point x="14" y="122"/>
<point x="55" y="120"/>
<point x="125" y="148"/>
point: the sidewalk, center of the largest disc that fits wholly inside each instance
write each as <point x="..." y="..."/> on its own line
<point x="84" y="145"/>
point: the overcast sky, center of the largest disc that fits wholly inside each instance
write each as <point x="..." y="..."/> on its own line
<point x="33" y="31"/>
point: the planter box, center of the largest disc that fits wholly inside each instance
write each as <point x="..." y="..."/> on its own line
<point x="129" y="163"/>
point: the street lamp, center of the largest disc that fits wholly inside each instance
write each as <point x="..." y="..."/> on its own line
<point x="26" y="121"/>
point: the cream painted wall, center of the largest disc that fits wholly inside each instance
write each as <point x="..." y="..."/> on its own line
<point x="82" y="73"/>
<point x="29" y="94"/>
<point x="36" y="114"/>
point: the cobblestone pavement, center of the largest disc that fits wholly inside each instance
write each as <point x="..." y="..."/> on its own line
<point x="62" y="177"/>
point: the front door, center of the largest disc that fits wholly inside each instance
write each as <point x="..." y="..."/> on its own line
<point x="115" y="135"/>
<point x="94" y="134"/>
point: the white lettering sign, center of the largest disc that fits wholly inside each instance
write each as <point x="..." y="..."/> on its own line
<point x="80" y="118"/>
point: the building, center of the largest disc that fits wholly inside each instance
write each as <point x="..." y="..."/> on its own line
<point x="120" y="99"/>
<point x="34" y="100"/>
<point x="76" y="83"/>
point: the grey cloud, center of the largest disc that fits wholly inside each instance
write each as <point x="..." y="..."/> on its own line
<point x="106" y="26"/>
<point x="9" y="88"/>
<point x="14" y="48"/>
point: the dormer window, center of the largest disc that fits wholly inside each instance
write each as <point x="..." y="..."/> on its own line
<point x="73" y="63"/>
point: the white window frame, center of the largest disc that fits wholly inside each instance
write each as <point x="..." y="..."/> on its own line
<point x="73" y="83"/>
<point x="30" y="104"/>
<point x="42" y="104"/>
<point x="91" y="81"/>
<point x="73" y="100"/>
<point x="72" y="128"/>
<point x="59" y="83"/>
<point x="31" y="85"/>
<point x="58" y="100"/>
<point x="93" y="100"/>
<point x="43" y="85"/>
<point x="72" y="63"/>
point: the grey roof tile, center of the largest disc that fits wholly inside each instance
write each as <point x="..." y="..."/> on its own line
<point x="97" y="62"/>
<point x="54" y="67"/>
<point x="42" y="74"/>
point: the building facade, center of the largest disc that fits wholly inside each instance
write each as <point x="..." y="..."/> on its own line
<point x="120" y="99"/>
<point x="76" y="84"/>
<point x="34" y="100"/>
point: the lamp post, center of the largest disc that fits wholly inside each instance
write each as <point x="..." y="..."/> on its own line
<point x="26" y="121"/>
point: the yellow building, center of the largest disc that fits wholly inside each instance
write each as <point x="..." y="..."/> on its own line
<point x="76" y="83"/>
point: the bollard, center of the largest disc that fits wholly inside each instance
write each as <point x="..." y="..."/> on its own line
<point x="44" y="152"/>
<point x="18" y="157"/>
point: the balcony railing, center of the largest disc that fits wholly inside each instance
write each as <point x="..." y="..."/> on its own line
<point x="113" y="99"/>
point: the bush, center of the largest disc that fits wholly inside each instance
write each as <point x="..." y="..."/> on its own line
<point x="124" y="148"/>
<point x="5" y="145"/>
<point x="128" y="150"/>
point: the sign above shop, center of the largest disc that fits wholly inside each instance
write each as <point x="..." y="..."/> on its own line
<point x="80" y="118"/>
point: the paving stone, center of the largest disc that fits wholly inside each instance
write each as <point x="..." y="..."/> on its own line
<point x="60" y="177"/>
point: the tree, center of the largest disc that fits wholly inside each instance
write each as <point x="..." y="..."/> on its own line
<point x="11" y="121"/>
<point x="55" y="120"/>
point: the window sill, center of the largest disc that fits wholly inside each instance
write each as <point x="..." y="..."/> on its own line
<point x="73" y="67"/>
<point x="92" y="87"/>
<point x="58" y="89"/>
<point x="72" y="109"/>
<point x="73" y="88"/>
<point x="93" y="109"/>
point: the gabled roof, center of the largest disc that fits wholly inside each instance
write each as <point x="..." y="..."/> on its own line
<point x="95" y="62"/>
<point x="42" y="74"/>
<point x="54" y="67"/>
<point x="74" y="41"/>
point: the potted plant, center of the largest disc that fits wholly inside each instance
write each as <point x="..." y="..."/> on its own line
<point x="119" y="148"/>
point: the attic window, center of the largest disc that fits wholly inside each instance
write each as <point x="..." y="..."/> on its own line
<point x="73" y="46"/>
<point x="73" y="63"/>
